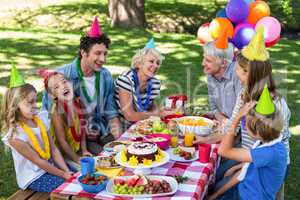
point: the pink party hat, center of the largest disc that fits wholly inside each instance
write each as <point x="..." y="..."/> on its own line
<point x="95" y="30"/>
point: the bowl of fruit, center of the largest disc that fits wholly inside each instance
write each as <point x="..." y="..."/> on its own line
<point x="162" y="140"/>
<point x="93" y="183"/>
<point x="139" y="186"/>
<point x="199" y="125"/>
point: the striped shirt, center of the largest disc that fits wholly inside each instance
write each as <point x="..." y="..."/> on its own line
<point x="247" y="140"/>
<point x="126" y="82"/>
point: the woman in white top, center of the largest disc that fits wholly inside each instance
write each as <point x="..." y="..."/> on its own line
<point x="38" y="163"/>
<point x="136" y="89"/>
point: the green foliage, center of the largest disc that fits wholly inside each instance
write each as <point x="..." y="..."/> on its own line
<point x="287" y="11"/>
<point x="48" y="36"/>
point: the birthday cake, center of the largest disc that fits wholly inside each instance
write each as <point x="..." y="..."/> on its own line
<point x="142" y="150"/>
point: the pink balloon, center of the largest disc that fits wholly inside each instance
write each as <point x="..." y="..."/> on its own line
<point x="270" y="44"/>
<point x="272" y="28"/>
<point x="203" y="34"/>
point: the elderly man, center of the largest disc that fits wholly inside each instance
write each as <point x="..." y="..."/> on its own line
<point x="93" y="84"/>
<point x="223" y="83"/>
<point x="223" y="89"/>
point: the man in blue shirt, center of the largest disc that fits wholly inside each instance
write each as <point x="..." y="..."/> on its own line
<point x="93" y="84"/>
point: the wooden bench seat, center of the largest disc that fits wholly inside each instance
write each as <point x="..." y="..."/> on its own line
<point x="29" y="195"/>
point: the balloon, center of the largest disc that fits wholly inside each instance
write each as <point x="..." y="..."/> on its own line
<point x="203" y="34"/>
<point x="258" y="10"/>
<point x="240" y="25"/>
<point x="237" y="10"/>
<point x="270" y="44"/>
<point x="220" y="24"/>
<point x="243" y="34"/>
<point x="248" y="1"/>
<point x="272" y="28"/>
<point x="221" y="13"/>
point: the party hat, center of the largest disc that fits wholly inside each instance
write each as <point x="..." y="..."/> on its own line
<point x="16" y="79"/>
<point x="265" y="105"/>
<point x="95" y="30"/>
<point x="222" y="41"/>
<point x="150" y="44"/>
<point x="44" y="73"/>
<point x="256" y="49"/>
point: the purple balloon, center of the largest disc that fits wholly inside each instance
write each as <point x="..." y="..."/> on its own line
<point x="243" y="34"/>
<point x="237" y="11"/>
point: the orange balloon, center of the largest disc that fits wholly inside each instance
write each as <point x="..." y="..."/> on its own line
<point x="258" y="10"/>
<point x="218" y="25"/>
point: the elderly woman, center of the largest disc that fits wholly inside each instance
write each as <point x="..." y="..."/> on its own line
<point x="136" y="89"/>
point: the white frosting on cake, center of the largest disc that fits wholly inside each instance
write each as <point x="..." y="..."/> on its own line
<point x="142" y="148"/>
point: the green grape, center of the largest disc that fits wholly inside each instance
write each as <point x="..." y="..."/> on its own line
<point x="141" y="188"/>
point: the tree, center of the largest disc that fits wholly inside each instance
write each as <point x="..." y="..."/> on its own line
<point x="127" y="13"/>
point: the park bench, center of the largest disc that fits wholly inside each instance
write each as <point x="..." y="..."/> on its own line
<point x="29" y="195"/>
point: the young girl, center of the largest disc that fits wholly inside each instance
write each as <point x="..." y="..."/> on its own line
<point x="254" y="70"/>
<point x="38" y="163"/>
<point x="66" y="117"/>
<point x="264" y="174"/>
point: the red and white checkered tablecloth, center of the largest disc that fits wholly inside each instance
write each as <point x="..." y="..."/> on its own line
<point x="200" y="175"/>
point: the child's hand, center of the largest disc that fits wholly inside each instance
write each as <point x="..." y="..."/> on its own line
<point x="199" y="140"/>
<point x="67" y="175"/>
<point x="246" y="108"/>
<point x="87" y="153"/>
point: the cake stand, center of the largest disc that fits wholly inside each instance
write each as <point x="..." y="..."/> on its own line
<point x="140" y="168"/>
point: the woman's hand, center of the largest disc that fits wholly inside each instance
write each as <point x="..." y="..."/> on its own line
<point x="164" y="112"/>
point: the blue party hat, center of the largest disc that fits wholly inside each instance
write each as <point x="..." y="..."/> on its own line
<point x="150" y="44"/>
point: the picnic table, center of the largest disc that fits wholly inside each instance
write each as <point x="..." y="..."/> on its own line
<point x="200" y="176"/>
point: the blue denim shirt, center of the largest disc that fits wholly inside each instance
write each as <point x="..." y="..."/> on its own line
<point x="106" y="107"/>
<point x="223" y="92"/>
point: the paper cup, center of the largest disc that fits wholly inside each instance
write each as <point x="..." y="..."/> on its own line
<point x="204" y="152"/>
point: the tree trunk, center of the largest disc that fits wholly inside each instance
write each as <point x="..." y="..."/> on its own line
<point x="127" y="13"/>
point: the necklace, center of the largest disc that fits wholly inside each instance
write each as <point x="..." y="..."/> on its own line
<point x="83" y="85"/>
<point x="142" y="106"/>
<point x="75" y="135"/>
<point x="45" y="154"/>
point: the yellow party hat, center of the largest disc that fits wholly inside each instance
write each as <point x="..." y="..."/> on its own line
<point x="256" y="49"/>
<point x="265" y="105"/>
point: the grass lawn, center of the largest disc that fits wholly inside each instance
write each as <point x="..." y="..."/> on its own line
<point x="47" y="36"/>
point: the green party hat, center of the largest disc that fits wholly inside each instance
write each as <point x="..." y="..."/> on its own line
<point x="16" y="79"/>
<point x="265" y="105"/>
